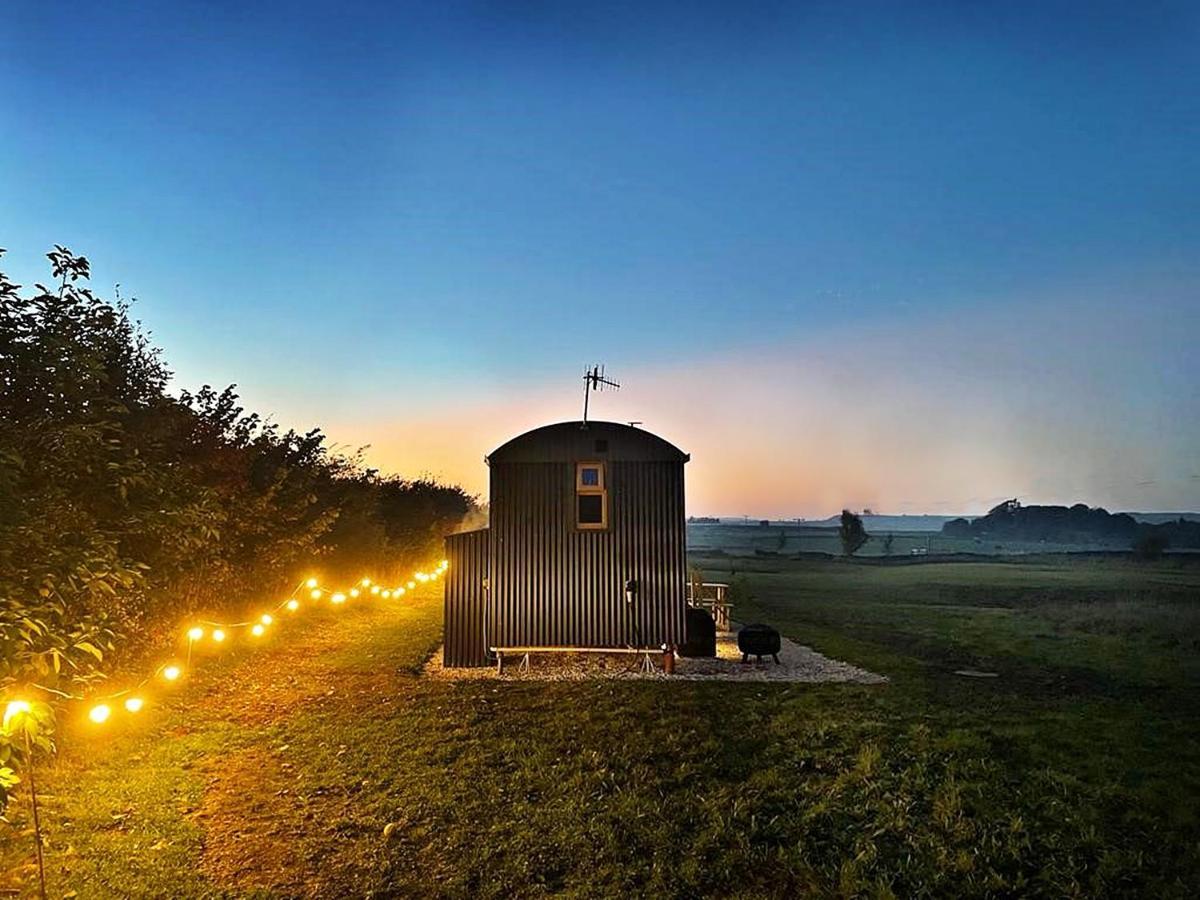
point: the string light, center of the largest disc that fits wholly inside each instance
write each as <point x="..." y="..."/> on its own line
<point x="13" y="709"/>
<point x="101" y="712"/>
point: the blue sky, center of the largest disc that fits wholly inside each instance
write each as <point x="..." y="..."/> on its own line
<point x="368" y="215"/>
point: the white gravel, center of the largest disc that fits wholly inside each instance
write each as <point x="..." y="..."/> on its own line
<point x="797" y="663"/>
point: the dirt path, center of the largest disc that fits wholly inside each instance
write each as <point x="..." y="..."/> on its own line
<point x="255" y="803"/>
<point x="259" y="802"/>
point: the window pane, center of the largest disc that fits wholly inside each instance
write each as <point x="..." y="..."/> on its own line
<point x="591" y="509"/>
<point x="589" y="476"/>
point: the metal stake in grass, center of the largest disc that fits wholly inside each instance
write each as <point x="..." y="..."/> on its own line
<point x="37" y="824"/>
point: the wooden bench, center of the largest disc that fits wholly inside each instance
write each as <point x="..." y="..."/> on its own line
<point x="524" y="653"/>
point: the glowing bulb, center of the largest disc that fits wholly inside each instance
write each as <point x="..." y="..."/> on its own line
<point x="387" y="594"/>
<point x="411" y="585"/>
<point x="316" y="595"/>
<point x="257" y="631"/>
<point x="194" y="634"/>
<point x="374" y="589"/>
<point x="293" y="605"/>
<point x="266" y="619"/>
<point x="134" y="704"/>
<point x="353" y="592"/>
<point x="15" y="708"/>
<point x="399" y="592"/>
<point x="172" y="673"/>
<point x="312" y="583"/>
<point x="100" y="713"/>
<point x="218" y="635"/>
<point x="445" y="563"/>
<point x="338" y="598"/>
<point x="366" y="582"/>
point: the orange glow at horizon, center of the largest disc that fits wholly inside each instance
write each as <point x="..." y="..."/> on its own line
<point x="912" y="416"/>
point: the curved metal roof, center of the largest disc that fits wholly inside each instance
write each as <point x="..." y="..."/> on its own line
<point x="569" y="441"/>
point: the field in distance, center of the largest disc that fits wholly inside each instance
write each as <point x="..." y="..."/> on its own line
<point x="787" y="539"/>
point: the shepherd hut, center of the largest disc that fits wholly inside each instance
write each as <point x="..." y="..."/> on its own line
<point x="585" y="547"/>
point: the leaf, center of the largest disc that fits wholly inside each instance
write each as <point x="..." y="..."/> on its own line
<point x="88" y="647"/>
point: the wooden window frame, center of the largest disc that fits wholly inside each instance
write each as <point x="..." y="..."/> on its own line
<point x="591" y="490"/>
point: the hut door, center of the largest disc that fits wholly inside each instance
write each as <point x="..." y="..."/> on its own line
<point x="466" y="599"/>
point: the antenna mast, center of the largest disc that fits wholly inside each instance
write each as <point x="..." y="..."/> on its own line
<point x="594" y="380"/>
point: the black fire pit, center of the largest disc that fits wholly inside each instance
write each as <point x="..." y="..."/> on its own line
<point x="701" y="634"/>
<point x="759" y="641"/>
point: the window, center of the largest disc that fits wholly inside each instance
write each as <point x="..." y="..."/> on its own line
<point x="589" y="475"/>
<point x="591" y="497"/>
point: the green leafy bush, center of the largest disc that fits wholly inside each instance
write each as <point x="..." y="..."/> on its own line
<point x="124" y="508"/>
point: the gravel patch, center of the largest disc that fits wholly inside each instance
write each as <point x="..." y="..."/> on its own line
<point x="797" y="663"/>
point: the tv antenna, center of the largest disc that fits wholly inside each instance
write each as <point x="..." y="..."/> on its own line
<point x="594" y="379"/>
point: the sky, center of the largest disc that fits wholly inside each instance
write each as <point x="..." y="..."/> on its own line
<point x="918" y="257"/>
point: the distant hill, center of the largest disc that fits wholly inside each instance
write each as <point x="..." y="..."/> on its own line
<point x="1074" y="524"/>
<point x="1159" y="518"/>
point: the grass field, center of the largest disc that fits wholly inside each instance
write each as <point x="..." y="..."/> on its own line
<point x="326" y="767"/>
<point x="786" y="539"/>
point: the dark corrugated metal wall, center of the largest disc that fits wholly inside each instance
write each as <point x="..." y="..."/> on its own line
<point x="466" y="599"/>
<point x="553" y="585"/>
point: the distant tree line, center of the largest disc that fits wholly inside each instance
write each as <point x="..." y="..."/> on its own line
<point x="124" y="508"/>
<point x="1078" y="524"/>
